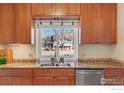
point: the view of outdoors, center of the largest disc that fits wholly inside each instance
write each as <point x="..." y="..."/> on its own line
<point x="61" y="37"/>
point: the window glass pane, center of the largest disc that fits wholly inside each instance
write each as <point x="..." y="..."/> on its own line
<point x="66" y="42"/>
<point x="48" y="44"/>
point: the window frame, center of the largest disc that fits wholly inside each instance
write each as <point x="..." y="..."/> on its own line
<point x="39" y="42"/>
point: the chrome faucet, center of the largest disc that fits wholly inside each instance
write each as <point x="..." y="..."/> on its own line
<point x="54" y="59"/>
<point x="61" y="60"/>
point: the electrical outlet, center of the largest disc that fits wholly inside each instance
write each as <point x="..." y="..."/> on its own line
<point x="83" y="54"/>
<point x="31" y="55"/>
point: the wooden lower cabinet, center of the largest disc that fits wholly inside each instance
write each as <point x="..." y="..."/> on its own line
<point x="16" y="76"/>
<point x="43" y="81"/>
<point x="16" y="80"/>
<point x="5" y="81"/>
<point x="23" y="76"/>
<point x="114" y="76"/>
<point x="54" y="77"/>
<point x="54" y="81"/>
<point x="64" y="81"/>
<point x="22" y="80"/>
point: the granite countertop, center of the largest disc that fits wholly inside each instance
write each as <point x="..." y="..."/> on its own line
<point x="23" y="64"/>
<point x="99" y="63"/>
<point x="82" y="63"/>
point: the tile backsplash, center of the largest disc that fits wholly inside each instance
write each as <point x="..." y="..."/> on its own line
<point x="95" y="51"/>
<point x="21" y="51"/>
<point x="1" y="46"/>
<point x="24" y="51"/>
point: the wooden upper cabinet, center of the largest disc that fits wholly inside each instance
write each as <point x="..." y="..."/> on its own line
<point x="37" y="9"/>
<point x="73" y="9"/>
<point x="48" y="9"/>
<point x="89" y="23"/>
<point x="22" y="23"/>
<point x="108" y="23"/>
<point x="61" y="9"/>
<point x="6" y="23"/>
<point x="98" y="23"/>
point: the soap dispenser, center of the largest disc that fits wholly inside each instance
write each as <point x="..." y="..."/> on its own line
<point x="4" y="59"/>
<point x="1" y="60"/>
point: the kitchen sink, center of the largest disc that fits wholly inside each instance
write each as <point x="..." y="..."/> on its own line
<point x="48" y="64"/>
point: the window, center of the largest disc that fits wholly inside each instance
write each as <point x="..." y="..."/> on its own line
<point x="58" y="38"/>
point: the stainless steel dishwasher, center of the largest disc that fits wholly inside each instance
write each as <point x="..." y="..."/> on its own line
<point x="89" y="77"/>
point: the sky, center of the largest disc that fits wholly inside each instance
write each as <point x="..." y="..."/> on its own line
<point x="48" y="32"/>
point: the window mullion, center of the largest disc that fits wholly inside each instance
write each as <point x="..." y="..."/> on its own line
<point x="57" y="46"/>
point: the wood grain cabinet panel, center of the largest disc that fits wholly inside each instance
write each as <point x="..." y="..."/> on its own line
<point x="54" y="77"/>
<point x="115" y="72"/>
<point x="61" y="9"/>
<point x="37" y="9"/>
<point x="53" y="72"/>
<point x="64" y="81"/>
<point x="5" y="80"/>
<point x="6" y="23"/>
<point x="22" y="23"/>
<point x="99" y="23"/>
<point x="54" y="80"/>
<point x="49" y="9"/>
<point x="22" y="80"/>
<point x="43" y="80"/>
<point x="73" y="9"/>
<point x="107" y="23"/>
<point x="8" y="72"/>
<point x="114" y="76"/>
<point x="89" y="23"/>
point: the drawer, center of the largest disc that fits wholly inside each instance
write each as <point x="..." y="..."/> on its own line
<point x="54" y="81"/>
<point x="53" y="72"/>
<point x="114" y="81"/>
<point x="16" y="72"/>
<point x="5" y="80"/>
<point x="64" y="81"/>
<point x="43" y="80"/>
<point x="114" y="72"/>
<point x="22" y="80"/>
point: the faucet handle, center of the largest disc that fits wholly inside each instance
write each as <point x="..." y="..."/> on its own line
<point x="52" y="59"/>
<point x="61" y="60"/>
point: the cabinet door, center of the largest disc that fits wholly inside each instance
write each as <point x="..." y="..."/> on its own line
<point x="22" y="23"/>
<point x="107" y="23"/>
<point x="89" y="23"/>
<point x="114" y="76"/>
<point x="54" y="72"/>
<point x="64" y="81"/>
<point x="61" y="9"/>
<point x="5" y="81"/>
<point x="22" y="80"/>
<point x="114" y="72"/>
<point x="73" y="9"/>
<point x="37" y="10"/>
<point x="43" y="80"/>
<point x="49" y="9"/>
<point x="6" y="23"/>
<point x="14" y="72"/>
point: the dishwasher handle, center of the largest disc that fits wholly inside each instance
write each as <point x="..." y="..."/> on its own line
<point x="86" y="73"/>
<point x="103" y="81"/>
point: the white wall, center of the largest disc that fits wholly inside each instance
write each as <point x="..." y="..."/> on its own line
<point x="118" y="50"/>
<point x="95" y="51"/>
<point x="22" y="51"/>
<point x="1" y="46"/>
